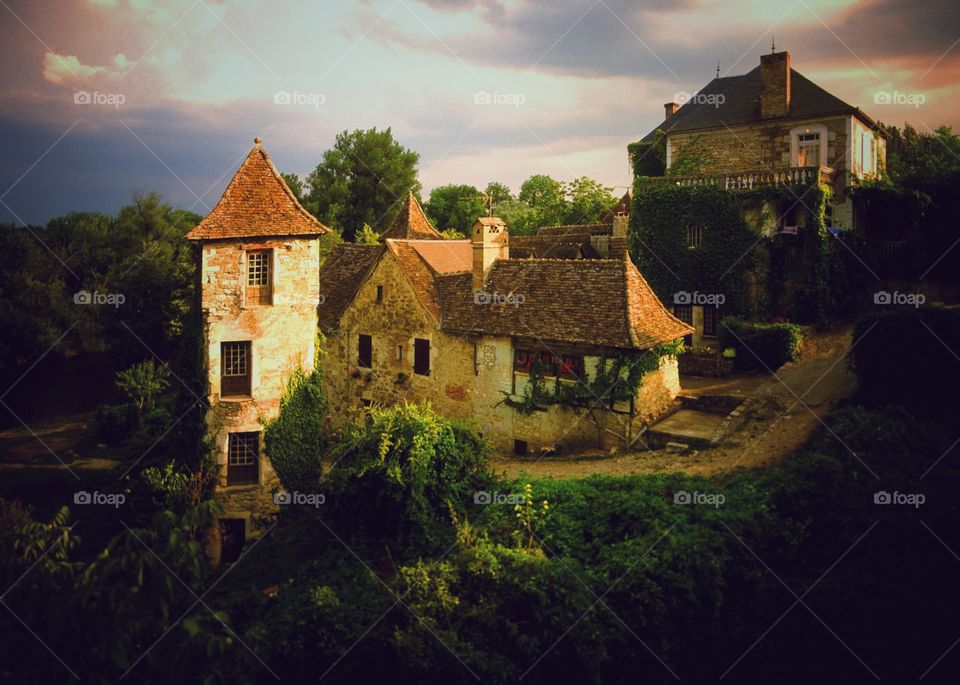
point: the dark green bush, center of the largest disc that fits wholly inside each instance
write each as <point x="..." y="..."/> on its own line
<point x="297" y="439"/>
<point x="763" y="346"/>
<point x="397" y="474"/>
<point x="909" y="357"/>
<point x="116" y="422"/>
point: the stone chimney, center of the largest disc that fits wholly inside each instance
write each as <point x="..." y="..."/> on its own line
<point x="491" y="241"/>
<point x="775" y="84"/>
<point x="670" y="108"/>
<point x="620" y="222"/>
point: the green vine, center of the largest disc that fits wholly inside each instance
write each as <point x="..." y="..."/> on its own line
<point x="617" y="378"/>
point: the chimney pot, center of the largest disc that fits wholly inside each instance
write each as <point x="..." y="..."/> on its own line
<point x="670" y="108"/>
<point x="491" y="241"/>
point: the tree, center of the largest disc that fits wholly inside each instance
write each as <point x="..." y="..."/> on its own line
<point x="498" y="193"/>
<point x="360" y="180"/>
<point x="547" y="198"/>
<point x="588" y="200"/>
<point x="455" y="207"/>
<point x="295" y="184"/>
<point x="144" y="382"/>
<point x="367" y="236"/>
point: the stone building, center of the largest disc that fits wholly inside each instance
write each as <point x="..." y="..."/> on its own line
<point x="770" y="126"/>
<point x="453" y="322"/>
<point x="259" y="255"/>
<point x="457" y="323"/>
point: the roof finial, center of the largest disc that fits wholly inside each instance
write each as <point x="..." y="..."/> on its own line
<point x="773" y="43"/>
<point x="257" y="140"/>
<point x="718" y="67"/>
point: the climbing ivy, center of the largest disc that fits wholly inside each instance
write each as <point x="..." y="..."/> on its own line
<point x="758" y="275"/>
<point x="617" y="378"/>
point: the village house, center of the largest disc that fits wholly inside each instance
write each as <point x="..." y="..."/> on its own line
<point x="770" y="126"/>
<point x="459" y="323"/>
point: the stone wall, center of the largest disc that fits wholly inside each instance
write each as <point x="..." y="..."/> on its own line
<point x="470" y="376"/>
<point x="282" y="336"/>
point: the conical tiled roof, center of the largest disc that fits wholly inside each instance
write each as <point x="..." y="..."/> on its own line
<point x="411" y="223"/>
<point x="257" y="202"/>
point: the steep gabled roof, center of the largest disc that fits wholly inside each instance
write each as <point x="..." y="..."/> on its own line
<point x="341" y="275"/>
<point x="419" y="274"/>
<point x="257" y="202"/>
<point x="411" y="223"/>
<point x="740" y="104"/>
<point x="445" y="256"/>
<point x="602" y="302"/>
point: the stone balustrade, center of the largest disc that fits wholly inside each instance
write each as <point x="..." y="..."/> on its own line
<point x="750" y="179"/>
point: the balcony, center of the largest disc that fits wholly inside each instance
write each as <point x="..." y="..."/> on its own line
<point x="750" y="179"/>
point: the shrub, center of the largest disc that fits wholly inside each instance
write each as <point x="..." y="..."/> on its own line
<point x="297" y="439"/>
<point x="908" y="357"/>
<point x="116" y="422"/>
<point x="143" y="383"/>
<point x="760" y="345"/>
<point x="397" y="474"/>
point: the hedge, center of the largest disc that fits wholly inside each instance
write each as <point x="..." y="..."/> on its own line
<point x="763" y="346"/>
<point x="908" y="357"/>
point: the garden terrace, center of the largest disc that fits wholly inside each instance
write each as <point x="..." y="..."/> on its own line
<point x="749" y="179"/>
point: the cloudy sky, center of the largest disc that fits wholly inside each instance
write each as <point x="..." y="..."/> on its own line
<point x="102" y="97"/>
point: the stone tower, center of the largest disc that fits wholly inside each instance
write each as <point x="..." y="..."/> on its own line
<point x="259" y="261"/>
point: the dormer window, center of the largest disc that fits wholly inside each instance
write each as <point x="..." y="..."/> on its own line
<point x="259" y="277"/>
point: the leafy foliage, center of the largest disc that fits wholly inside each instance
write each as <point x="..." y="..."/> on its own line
<point x="761" y="346"/>
<point x="297" y="439"/>
<point x="361" y="180"/>
<point x="143" y="383"/>
<point x="455" y="207"/>
<point x="398" y="471"/>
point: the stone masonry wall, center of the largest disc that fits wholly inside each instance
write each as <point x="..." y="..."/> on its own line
<point x="469" y="375"/>
<point x="282" y="335"/>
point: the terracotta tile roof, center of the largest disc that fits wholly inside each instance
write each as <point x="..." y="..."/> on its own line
<point x="604" y="302"/>
<point x="341" y="275"/>
<point x="549" y="247"/>
<point x="411" y="223"/>
<point x="257" y="202"/>
<point x="420" y="275"/>
<point x="576" y="229"/>
<point x="445" y="256"/>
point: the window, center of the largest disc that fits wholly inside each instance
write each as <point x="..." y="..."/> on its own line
<point x="569" y="366"/>
<point x="711" y="319"/>
<point x="694" y="235"/>
<point x="520" y="447"/>
<point x="808" y="149"/>
<point x="365" y="352"/>
<point x="379" y="293"/>
<point x="243" y="458"/>
<point x="421" y="357"/>
<point x="684" y="312"/>
<point x="235" y="366"/>
<point x="260" y="277"/>
<point x="399" y="353"/>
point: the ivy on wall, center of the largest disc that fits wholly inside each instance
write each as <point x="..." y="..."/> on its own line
<point x="780" y="275"/>
<point x="617" y="378"/>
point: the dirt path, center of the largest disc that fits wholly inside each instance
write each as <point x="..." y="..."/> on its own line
<point x="774" y="423"/>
